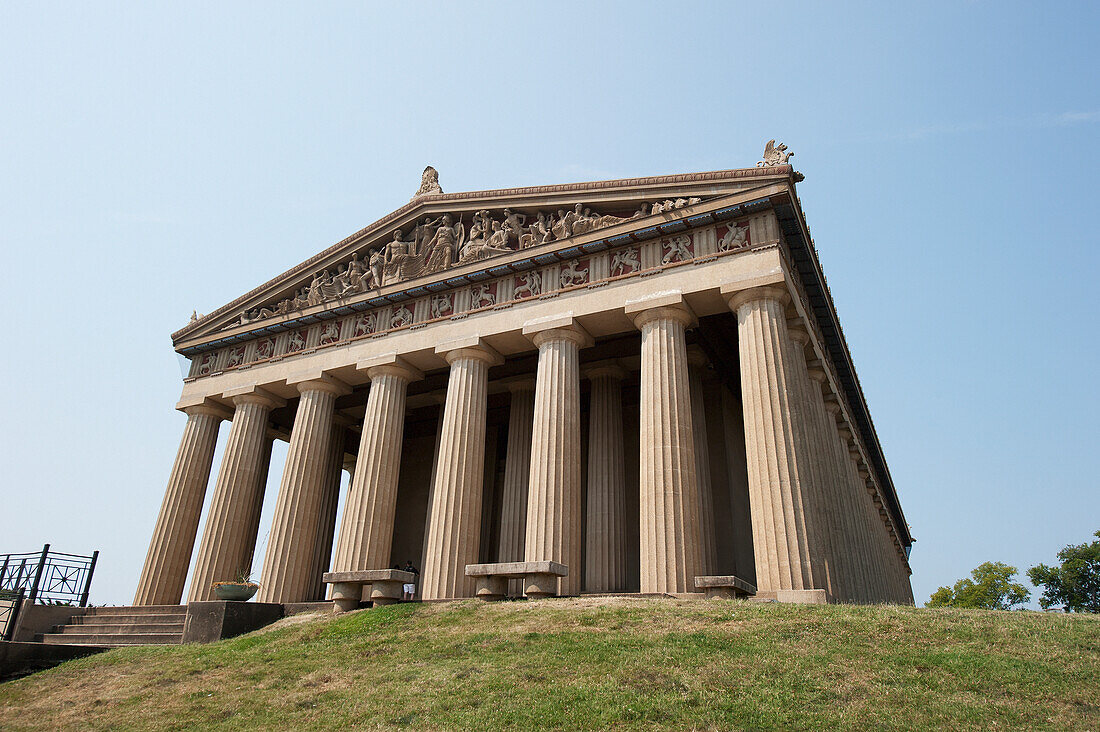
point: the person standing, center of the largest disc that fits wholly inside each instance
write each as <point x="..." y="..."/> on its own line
<point x="410" y="587"/>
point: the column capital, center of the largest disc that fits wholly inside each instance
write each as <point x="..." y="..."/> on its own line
<point x="321" y="382"/>
<point x="817" y="372"/>
<point x="517" y="384"/>
<point x="473" y="347"/>
<point x="604" y="368"/>
<point x="737" y="298"/>
<point x="204" y="406"/>
<point x="561" y="327"/>
<point x="668" y="305"/>
<point x="798" y="332"/>
<point x="253" y="394"/>
<point x="389" y="364"/>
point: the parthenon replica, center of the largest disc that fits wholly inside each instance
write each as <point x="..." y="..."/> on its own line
<point x="642" y="382"/>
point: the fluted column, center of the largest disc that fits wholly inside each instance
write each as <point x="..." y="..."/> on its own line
<point x="815" y="506"/>
<point x="517" y="469"/>
<point x="668" y="484"/>
<point x="605" y="540"/>
<point x="165" y="570"/>
<point x="777" y="470"/>
<point x="330" y="500"/>
<point x="454" y="514"/>
<point x="852" y="526"/>
<point x="290" y="559"/>
<point x="233" y="520"/>
<point x="554" y="482"/>
<point x="366" y="530"/>
<point x="708" y="547"/>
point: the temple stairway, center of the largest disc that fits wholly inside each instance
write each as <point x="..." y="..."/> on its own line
<point x="121" y="626"/>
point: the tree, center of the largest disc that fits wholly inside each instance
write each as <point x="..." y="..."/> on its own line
<point x="991" y="588"/>
<point x="1075" y="584"/>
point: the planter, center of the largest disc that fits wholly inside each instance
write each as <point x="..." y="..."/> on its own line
<point x="239" y="591"/>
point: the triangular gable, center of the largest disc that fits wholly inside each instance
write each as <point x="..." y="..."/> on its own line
<point x="436" y="233"/>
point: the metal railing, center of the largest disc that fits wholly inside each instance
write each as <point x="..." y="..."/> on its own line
<point x="10" y="602"/>
<point x="49" y="577"/>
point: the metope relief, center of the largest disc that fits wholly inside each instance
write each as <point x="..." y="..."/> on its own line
<point x="678" y="248"/>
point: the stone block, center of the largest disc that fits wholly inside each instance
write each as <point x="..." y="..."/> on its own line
<point x="211" y="620"/>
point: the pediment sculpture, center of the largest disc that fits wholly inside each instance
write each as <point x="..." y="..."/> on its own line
<point x="437" y="243"/>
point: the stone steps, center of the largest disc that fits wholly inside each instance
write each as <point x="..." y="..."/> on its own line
<point x="122" y="626"/>
<point x="113" y="639"/>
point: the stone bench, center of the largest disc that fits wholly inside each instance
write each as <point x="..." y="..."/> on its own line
<point x="540" y="579"/>
<point x="725" y="585"/>
<point x="385" y="586"/>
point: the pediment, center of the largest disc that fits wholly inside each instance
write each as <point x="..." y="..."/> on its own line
<point x="438" y="237"/>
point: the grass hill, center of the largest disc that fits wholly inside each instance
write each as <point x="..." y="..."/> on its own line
<point x="593" y="663"/>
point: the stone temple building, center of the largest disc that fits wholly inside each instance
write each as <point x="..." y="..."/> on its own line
<point x="644" y="380"/>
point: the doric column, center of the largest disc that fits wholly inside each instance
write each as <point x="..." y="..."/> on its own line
<point x="777" y="469"/>
<point x="517" y="469"/>
<point x="708" y="547"/>
<point x="330" y="500"/>
<point x="842" y="568"/>
<point x="366" y="530"/>
<point x="554" y="482"/>
<point x="605" y="540"/>
<point x="290" y="559"/>
<point x="454" y="514"/>
<point x="165" y="570"/>
<point x="852" y="526"/>
<point x="668" y="485"/>
<point x="815" y="506"/>
<point x="233" y="520"/>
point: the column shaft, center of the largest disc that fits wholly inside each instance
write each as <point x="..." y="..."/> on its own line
<point x="165" y="570"/>
<point x="366" y="531"/>
<point x="454" y="515"/>
<point x="605" y="541"/>
<point x="708" y="552"/>
<point x="777" y="471"/>
<point x="554" y="483"/>
<point x="291" y="550"/>
<point x="517" y="469"/>
<point x="330" y="500"/>
<point x="669" y="500"/>
<point x="233" y="520"/>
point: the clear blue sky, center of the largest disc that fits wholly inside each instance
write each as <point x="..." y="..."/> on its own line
<point x="157" y="158"/>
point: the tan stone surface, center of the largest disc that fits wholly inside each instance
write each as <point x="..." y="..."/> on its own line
<point x="517" y="469"/>
<point x="669" y="491"/>
<point x="330" y="500"/>
<point x="554" y="483"/>
<point x="233" y="519"/>
<point x="454" y="514"/>
<point x="605" y="540"/>
<point x="708" y="548"/>
<point x="290" y="561"/>
<point x="775" y="481"/>
<point x="165" y="570"/>
<point x="366" y="530"/>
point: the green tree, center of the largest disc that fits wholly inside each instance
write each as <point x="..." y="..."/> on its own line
<point x="1075" y="584"/>
<point x="991" y="588"/>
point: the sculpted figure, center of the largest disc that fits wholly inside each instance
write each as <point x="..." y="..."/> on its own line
<point x="514" y="225"/>
<point x="265" y="348"/>
<point x="540" y="232"/>
<point x="364" y="324"/>
<point x="734" y="238"/>
<point x="481" y="297"/>
<point x="443" y="247"/>
<point x="423" y="233"/>
<point x="194" y="317"/>
<point x="441" y="306"/>
<point x="429" y="182"/>
<point x="624" y="261"/>
<point x="316" y="294"/>
<point x="402" y="316"/>
<point x="377" y="263"/>
<point x="774" y="155"/>
<point x="563" y="227"/>
<point x="397" y="246"/>
<point x="295" y="342"/>
<point x="571" y="274"/>
<point x="530" y="285"/>
<point x="678" y="249"/>
<point x="330" y="332"/>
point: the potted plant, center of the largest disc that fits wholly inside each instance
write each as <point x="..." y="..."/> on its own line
<point x="241" y="588"/>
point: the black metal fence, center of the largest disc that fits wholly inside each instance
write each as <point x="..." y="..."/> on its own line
<point x="49" y="577"/>
<point x="10" y="602"/>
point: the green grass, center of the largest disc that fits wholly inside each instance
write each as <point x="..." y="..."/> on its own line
<point x="594" y="664"/>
